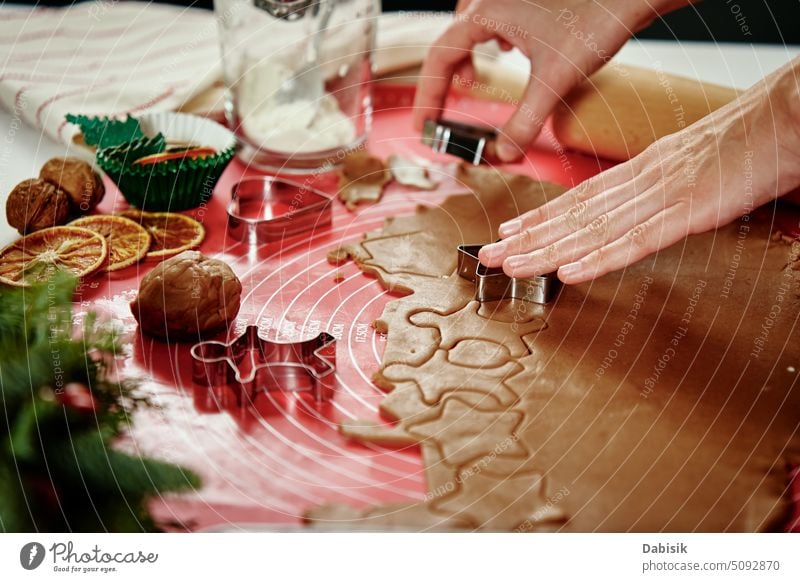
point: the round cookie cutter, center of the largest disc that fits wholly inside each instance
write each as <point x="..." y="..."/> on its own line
<point x="266" y="209"/>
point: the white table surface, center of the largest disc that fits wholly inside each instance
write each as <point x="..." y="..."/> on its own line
<point x="23" y="149"/>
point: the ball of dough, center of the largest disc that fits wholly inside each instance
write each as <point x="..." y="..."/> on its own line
<point x="82" y="184"/>
<point x="35" y="204"/>
<point x="186" y="297"/>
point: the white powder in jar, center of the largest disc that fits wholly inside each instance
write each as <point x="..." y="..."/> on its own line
<point x="302" y="126"/>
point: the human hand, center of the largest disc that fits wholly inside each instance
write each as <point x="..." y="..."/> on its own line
<point x="462" y="5"/>
<point x="722" y="167"/>
<point x="565" y="40"/>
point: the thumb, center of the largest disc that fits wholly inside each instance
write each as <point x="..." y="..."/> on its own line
<point x="541" y="96"/>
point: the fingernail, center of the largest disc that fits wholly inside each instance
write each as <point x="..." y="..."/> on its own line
<point x="516" y="261"/>
<point x="492" y="251"/>
<point x="510" y="227"/>
<point x="506" y="152"/>
<point x="569" y="271"/>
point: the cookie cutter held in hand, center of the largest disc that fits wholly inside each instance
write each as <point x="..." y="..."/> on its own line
<point x="492" y="284"/>
<point x="468" y="142"/>
<point x="264" y="210"/>
<point x="252" y="364"/>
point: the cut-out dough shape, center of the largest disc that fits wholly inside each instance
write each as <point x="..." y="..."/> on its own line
<point x="374" y="432"/>
<point x="478" y="353"/>
<point x="362" y="179"/>
<point x="338" y="256"/>
<point x="411" y="344"/>
<point x="438" y="376"/>
<point x="511" y="311"/>
<point x="405" y="253"/>
<point x="466" y="324"/>
<point x="410" y="172"/>
<point x="466" y="434"/>
<point x="404" y="403"/>
<point x="504" y="504"/>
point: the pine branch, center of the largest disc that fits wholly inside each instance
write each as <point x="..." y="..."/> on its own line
<point x="57" y="459"/>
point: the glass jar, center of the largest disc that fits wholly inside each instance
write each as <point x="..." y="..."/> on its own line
<point x="298" y="75"/>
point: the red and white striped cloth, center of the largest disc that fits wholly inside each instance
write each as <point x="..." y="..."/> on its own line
<point x="103" y="58"/>
<point x="110" y="57"/>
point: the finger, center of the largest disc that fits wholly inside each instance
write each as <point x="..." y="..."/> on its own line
<point x="465" y="73"/>
<point x="661" y="231"/>
<point x="595" y="185"/>
<point x="598" y="233"/>
<point x="620" y="204"/>
<point x="446" y="53"/>
<point x="549" y="82"/>
<point x="571" y="212"/>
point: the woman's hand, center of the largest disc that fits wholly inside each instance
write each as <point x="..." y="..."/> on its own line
<point x="565" y="40"/>
<point x="703" y="177"/>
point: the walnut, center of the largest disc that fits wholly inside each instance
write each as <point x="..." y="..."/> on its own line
<point x="186" y="297"/>
<point x="77" y="178"/>
<point x="36" y="204"/>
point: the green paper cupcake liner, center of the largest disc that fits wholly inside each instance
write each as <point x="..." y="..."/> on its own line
<point x="174" y="184"/>
<point x="104" y="132"/>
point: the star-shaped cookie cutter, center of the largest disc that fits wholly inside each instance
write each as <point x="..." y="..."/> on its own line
<point x="252" y="364"/>
<point x="492" y="284"/>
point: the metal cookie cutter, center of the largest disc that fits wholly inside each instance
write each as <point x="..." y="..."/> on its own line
<point x="465" y="141"/>
<point x="494" y="284"/>
<point x="253" y="364"/>
<point x="265" y="210"/>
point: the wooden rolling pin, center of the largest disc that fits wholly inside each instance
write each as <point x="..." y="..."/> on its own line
<point x="618" y="111"/>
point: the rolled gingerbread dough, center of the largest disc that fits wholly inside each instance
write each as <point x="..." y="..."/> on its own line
<point x="663" y="397"/>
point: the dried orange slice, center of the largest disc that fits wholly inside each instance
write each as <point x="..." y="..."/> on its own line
<point x="128" y="242"/>
<point x="36" y="257"/>
<point x="170" y="233"/>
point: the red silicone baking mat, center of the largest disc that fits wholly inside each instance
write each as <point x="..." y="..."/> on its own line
<point x="268" y="463"/>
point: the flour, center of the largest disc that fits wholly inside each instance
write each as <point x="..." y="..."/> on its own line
<point x="303" y="126"/>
